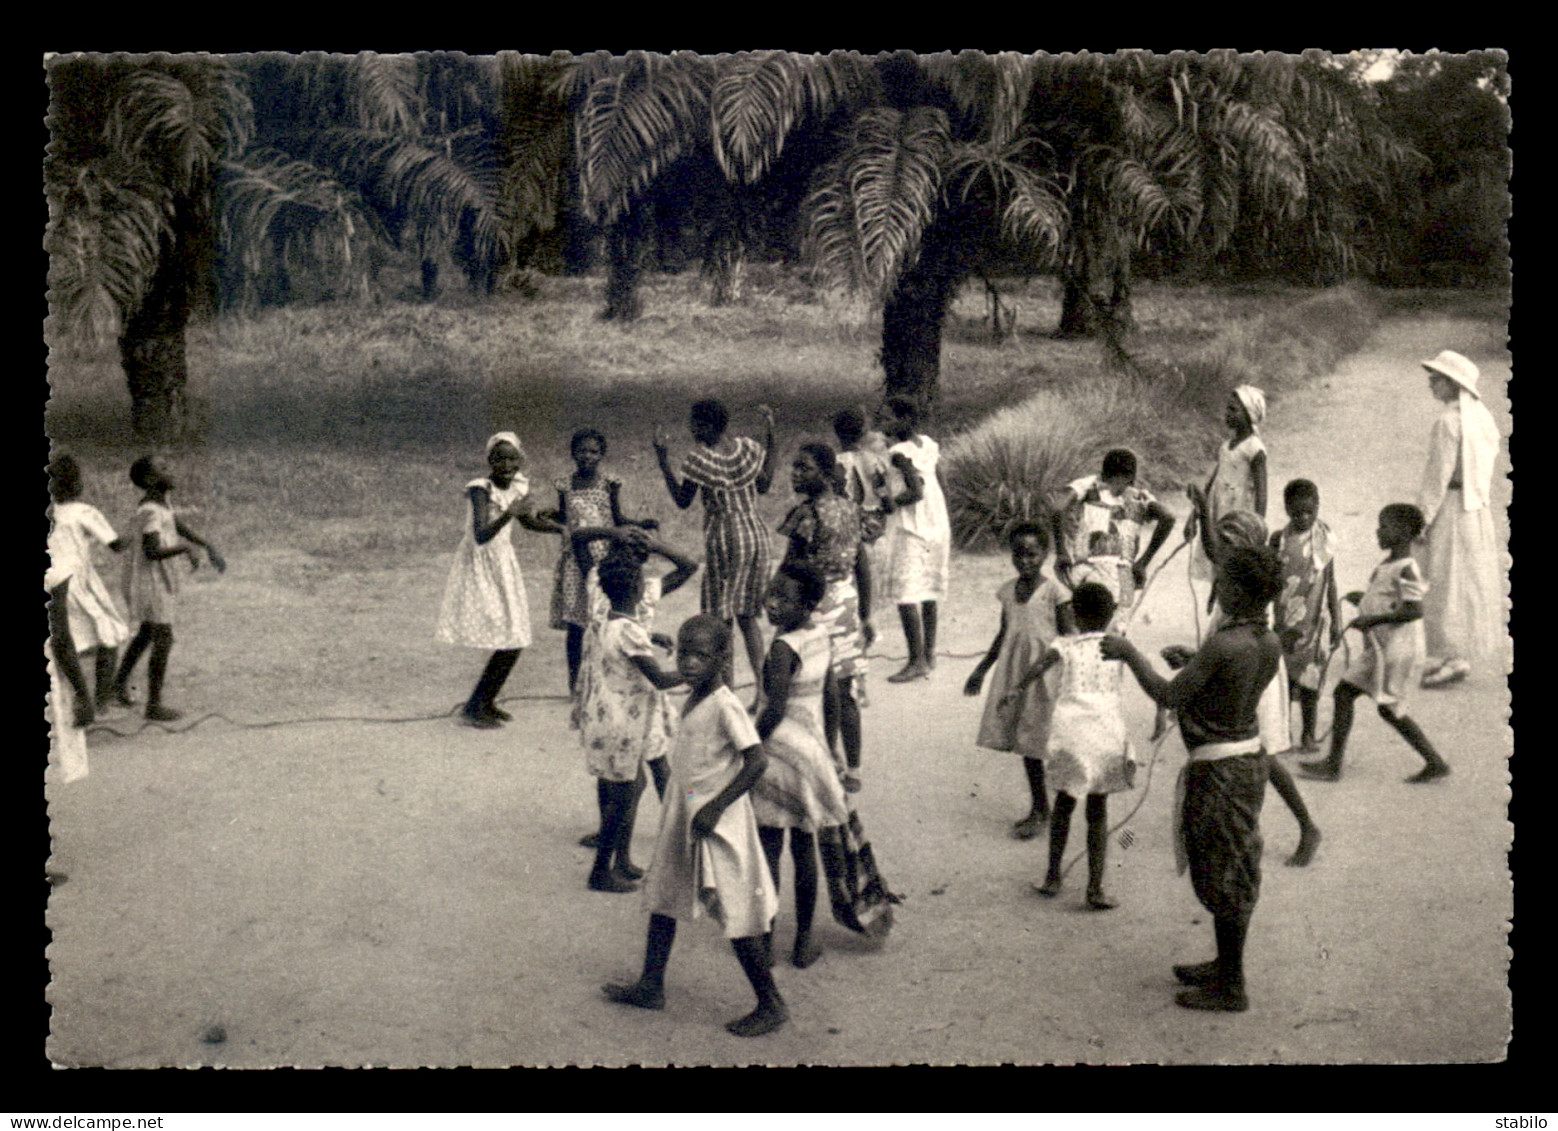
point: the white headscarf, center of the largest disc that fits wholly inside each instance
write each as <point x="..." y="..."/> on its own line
<point x="1254" y="402"/>
<point x="504" y="438"/>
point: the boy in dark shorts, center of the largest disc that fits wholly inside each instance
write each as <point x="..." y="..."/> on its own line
<point x="1215" y="695"/>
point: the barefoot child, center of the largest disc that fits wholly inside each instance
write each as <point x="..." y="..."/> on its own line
<point x="584" y="500"/>
<point x="625" y="720"/>
<point x="1087" y="754"/>
<point x="1224" y="783"/>
<point x="95" y="624"/>
<point x="708" y="857"/>
<point x="1098" y="522"/>
<point x="70" y="703"/>
<point x="1034" y="611"/>
<point x="152" y="586"/>
<point x="484" y="600"/>
<point x="1390" y="616"/>
<point x="800" y="790"/>
<point x="920" y="536"/>
<point x="1308" y="614"/>
<point x="1238" y="481"/>
<point x="862" y="462"/>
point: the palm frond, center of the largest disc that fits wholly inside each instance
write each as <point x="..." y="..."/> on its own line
<point x="533" y="143"/>
<point x="755" y="102"/>
<point x="1033" y="209"/>
<point x="991" y="92"/>
<point x="384" y="92"/>
<point x="180" y="123"/>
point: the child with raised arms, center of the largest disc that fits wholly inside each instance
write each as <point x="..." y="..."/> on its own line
<point x="708" y="858"/>
<point x="1035" y="610"/>
<point x="1308" y="615"/>
<point x="1390" y="616"/>
<point x="484" y="602"/>
<point x="95" y="624"/>
<point x="152" y="585"/>
<point x="1098" y="521"/>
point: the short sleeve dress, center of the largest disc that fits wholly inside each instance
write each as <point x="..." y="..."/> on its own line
<point x="1088" y="750"/>
<point x="1022" y="725"/>
<point x="484" y="599"/>
<point x="919" y="536"/>
<point x="151" y="588"/>
<point x="582" y="506"/>
<point x="1103" y="537"/>
<point x="724" y="875"/>
<point x="624" y="720"/>
<point x="599" y="606"/>
<point x="737" y="566"/>
<point x="824" y="533"/>
<point x="94" y="620"/>
<point x="1388" y="670"/>
<point x="1233" y="489"/>
<point x="801" y="787"/>
<point x="67" y="741"/>
<point x="1305" y="558"/>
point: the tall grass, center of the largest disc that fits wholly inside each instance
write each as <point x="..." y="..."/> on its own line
<point x="1012" y="466"/>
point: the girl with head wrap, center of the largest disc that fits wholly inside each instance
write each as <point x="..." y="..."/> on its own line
<point x="484" y="599"/>
<point x="1461" y="611"/>
<point x="1238" y="482"/>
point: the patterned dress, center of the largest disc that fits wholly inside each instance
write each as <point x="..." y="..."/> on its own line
<point x="724" y="875"/>
<point x="1022" y="725"/>
<point x="801" y="786"/>
<point x="624" y="720"/>
<point x="1233" y="489"/>
<point x="1103" y="537"/>
<point x="94" y="621"/>
<point x="581" y="507"/>
<point x="1088" y="751"/>
<point x="151" y="588"/>
<point x="919" y="536"/>
<point x="1306" y="558"/>
<point x="484" y="599"/>
<point x="1388" y="670"/>
<point x="736" y="571"/>
<point x="589" y="661"/>
<point x="824" y="533"/>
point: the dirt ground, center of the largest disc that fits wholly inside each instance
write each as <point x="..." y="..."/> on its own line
<point x="356" y="893"/>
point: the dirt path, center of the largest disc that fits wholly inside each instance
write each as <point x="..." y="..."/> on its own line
<point x="346" y="893"/>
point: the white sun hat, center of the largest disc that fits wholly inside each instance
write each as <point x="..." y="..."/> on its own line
<point x="1457" y="368"/>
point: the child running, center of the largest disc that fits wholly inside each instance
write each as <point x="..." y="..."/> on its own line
<point x="1390" y="616"/>
<point x="1308" y="614"/>
<point x="152" y="585"/>
<point x="586" y="499"/>
<point x="1087" y="754"/>
<point x="823" y="532"/>
<point x="731" y="472"/>
<point x="800" y="790"/>
<point x="708" y="857"/>
<point x="1035" y="609"/>
<point x="1098" y="521"/>
<point x="1238" y="480"/>
<point x="920" y="536"/>
<point x="1224" y="782"/>
<point x="625" y="720"/>
<point x="484" y="600"/>
<point x="95" y="624"/>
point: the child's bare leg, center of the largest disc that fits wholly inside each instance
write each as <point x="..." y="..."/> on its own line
<point x="132" y="656"/>
<point x="575" y="646"/>
<point x="803" y="854"/>
<point x="1308" y="831"/>
<point x="752" y="634"/>
<point x="1219" y="985"/>
<point x="928" y="615"/>
<point x="1097" y="851"/>
<point x="914" y="636"/>
<point x="1329" y="768"/>
<point x="1038" y="805"/>
<point x="770" y="1013"/>
<point x="104" y="664"/>
<point x="156" y="672"/>
<point x="1308" y="710"/>
<point x="649" y="991"/>
<point x="1059" y="829"/>
<point x="1434" y="767"/>
<point x="615" y="798"/>
<point x="479" y="707"/>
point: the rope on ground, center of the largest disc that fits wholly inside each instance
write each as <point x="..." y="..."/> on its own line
<point x="1146" y="788"/>
<point x="185" y="727"/>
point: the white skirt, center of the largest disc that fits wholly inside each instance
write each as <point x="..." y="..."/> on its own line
<point x="916" y="569"/>
<point x="1463" y="611"/>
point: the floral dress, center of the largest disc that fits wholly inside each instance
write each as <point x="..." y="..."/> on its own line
<point x="624" y="720"/>
<point x="824" y="533"/>
<point x="484" y="599"/>
<point x="1306" y="558"/>
<point x="1103" y="537"/>
<point x="801" y="786"/>
<point x="1088" y="751"/>
<point x="581" y="507"/>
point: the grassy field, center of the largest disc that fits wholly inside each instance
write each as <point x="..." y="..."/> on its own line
<point x="346" y="432"/>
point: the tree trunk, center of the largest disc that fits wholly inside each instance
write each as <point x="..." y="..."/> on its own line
<point x="625" y="247"/>
<point x="724" y="256"/>
<point x="1095" y="294"/>
<point x="151" y="350"/>
<point x="912" y="320"/>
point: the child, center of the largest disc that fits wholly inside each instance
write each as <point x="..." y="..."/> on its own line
<point x="151" y="585"/>
<point x="484" y="599"/>
<point x="586" y="499"/>
<point x="1098" y="521"/>
<point x="69" y="701"/>
<point x="1087" y="754"/>
<point x="1224" y="783"/>
<point x="630" y="546"/>
<point x="1034" y="611"/>
<point x="708" y="856"/>
<point x="1308" y="614"/>
<point x="920" y="536"/>
<point x="625" y="720"/>
<point x="800" y="790"/>
<point x="824" y="534"/>
<point x="862" y="464"/>
<point x="95" y="624"/>
<point x="1390" y="616"/>
<point x="1238" y="481"/>
<point x="731" y="472"/>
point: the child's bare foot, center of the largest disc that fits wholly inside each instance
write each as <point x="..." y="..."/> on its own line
<point x="1098" y="901"/>
<point x="1199" y="974"/>
<point x="764" y="1019"/>
<point x="1322" y="770"/>
<point x="157" y="713"/>
<point x="480" y="720"/>
<point x="909" y="672"/>
<point x="499" y="713"/>
<point x="1050" y="888"/>
<point x="1432" y="772"/>
<point x="121" y="697"/>
<point x="851" y="782"/>
<point x="644" y="997"/>
<point x="590" y="840"/>
<point x="627" y="870"/>
<point x="83" y="715"/>
<point x="1029" y="826"/>
<point x="1308" y="842"/>
<point x="611" y="882"/>
<point x="1221" y="999"/>
<point x="805" y="953"/>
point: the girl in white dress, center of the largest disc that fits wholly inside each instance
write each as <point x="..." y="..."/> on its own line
<point x="95" y="623"/>
<point x="920" y="536"/>
<point x="1088" y="754"/>
<point x="484" y="600"/>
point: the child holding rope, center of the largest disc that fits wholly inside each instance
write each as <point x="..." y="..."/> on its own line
<point x="1215" y="694"/>
<point x="1098" y="522"/>
<point x="1390" y="616"/>
<point x="1308" y="613"/>
<point x="1035" y="609"/>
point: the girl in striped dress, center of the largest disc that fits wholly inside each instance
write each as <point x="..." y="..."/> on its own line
<point x="730" y="472"/>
